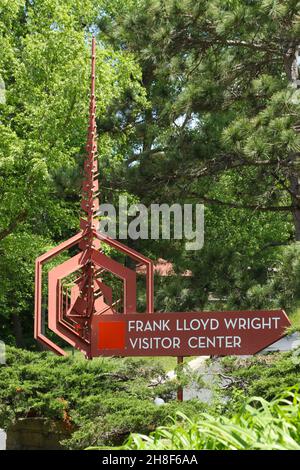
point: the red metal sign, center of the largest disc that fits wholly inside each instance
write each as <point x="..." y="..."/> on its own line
<point x="187" y="333"/>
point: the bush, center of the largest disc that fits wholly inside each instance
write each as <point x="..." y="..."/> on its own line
<point x="258" y="425"/>
<point x="262" y="375"/>
<point x="99" y="401"/>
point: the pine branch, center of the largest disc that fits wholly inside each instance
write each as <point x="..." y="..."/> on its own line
<point x="234" y="205"/>
<point x="214" y="39"/>
<point x="215" y="166"/>
<point x="228" y="162"/>
<point x="275" y="244"/>
<point x="146" y="153"/>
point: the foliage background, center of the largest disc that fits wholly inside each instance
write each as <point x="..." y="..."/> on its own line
<point x="196" y="103"/>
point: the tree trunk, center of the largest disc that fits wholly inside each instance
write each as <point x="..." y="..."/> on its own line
<point x="296" y="215"/>
<point x="292" y="70"/>
<point x="295" y="190"/>
<point x="20" y="218"/>
<point x="18" y="330"/>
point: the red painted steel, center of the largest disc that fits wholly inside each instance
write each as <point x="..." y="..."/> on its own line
<point x="74" y="304"/>
<point x="86" y="313"/>
<point x="193" y="333"/>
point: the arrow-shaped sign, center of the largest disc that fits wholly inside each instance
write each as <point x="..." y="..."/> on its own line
<point x="187" y="333"/>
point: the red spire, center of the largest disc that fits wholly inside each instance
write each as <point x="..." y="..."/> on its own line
<point x="90" y="201"/>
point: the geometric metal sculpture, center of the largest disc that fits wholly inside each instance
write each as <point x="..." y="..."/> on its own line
<point x="89" y="313"/>
<point x="77" y="291"/>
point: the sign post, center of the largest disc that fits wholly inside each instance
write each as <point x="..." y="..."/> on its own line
<point x="179" y="388"/>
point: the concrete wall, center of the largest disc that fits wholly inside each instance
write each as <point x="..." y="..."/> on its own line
<point x="35" y="434"/>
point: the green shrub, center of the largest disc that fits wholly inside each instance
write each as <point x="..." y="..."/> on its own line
<point x="99" y="401"/>
<point x="258" y="425"/>
<point x="262" y="375"/>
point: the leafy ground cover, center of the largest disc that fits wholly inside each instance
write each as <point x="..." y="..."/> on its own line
<point x="258" y="425"/>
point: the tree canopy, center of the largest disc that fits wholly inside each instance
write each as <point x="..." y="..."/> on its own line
<point x="196" y="102"/>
